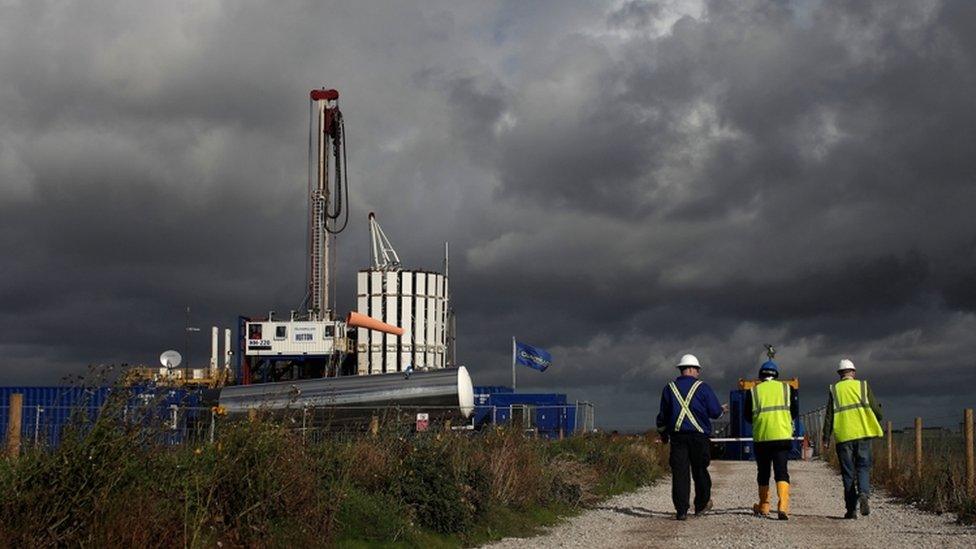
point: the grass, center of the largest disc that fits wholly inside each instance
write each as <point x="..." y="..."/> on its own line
<point x="111" y="483"/>
<point x="942" y="486"/>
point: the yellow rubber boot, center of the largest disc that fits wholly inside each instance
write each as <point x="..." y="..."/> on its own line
<point x="761" y="509"/>
<point x="783" y="491"/>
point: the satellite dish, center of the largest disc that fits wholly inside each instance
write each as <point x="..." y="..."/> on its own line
<point x="170" y="359"/>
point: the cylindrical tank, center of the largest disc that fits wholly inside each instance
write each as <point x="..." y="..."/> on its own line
<point x="416" y="301"/>
<point x="448" y="388"/>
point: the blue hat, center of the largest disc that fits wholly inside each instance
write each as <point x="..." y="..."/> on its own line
<point x="769" y="368"/>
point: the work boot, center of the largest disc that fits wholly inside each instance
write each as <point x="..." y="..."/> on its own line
<point x="851" y="514"/>
<point x="761" y="509"/>
<point x="704" y="510"/>
<point x="682" y="516"/>
<point x="865" y="508"/>
<point x="783" y="491"/>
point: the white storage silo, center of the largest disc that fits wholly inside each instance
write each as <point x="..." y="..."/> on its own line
<point x="416" y="301"/>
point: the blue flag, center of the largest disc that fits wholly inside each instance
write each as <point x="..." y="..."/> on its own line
<point x="533" y="357"/>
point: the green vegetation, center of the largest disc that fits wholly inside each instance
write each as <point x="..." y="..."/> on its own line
<point x="942" y="486"/>
<point x="109" y="484"/>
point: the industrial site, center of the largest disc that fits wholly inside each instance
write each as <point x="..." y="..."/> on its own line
<point x="396" y="352"/>
<point x="584" y="274"/>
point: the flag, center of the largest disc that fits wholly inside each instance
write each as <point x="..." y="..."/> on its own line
<point x="533" y="357"/>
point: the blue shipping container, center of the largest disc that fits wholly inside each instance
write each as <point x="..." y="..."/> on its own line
<point x="496" y="405"/>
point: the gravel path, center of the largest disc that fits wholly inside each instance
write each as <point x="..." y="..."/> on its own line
<point x="645" y="518"/>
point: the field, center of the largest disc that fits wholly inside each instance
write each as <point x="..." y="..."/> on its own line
<point x="942" y="486"/>
<point x="111" y="483"/>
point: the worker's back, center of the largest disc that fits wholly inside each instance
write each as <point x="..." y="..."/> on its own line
<point x="771" y="419"/>
<point x="853" y="417"/>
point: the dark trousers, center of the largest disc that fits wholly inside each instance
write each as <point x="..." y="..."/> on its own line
<point x="855" y="469"/>
<point x="775" y="453"/>
<point x="689" y="451"/>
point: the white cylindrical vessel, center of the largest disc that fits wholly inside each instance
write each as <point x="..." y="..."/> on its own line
<point x="214" y="353"/>
<point x="416" y="301"/>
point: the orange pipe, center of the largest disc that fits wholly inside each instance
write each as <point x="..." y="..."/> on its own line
<point x="357" y="320"/>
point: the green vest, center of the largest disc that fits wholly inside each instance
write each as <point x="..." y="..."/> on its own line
<point x="853" y="417"/>
<point x="771" y="418"/>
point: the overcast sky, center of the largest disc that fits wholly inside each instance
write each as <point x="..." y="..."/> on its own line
<point x="620" y="183"/>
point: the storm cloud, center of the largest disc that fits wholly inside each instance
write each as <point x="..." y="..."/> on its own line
<point x="620" y="183"/>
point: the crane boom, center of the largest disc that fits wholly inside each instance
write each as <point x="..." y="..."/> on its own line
<point x="384" y="256"/>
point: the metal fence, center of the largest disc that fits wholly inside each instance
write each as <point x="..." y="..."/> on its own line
<point x="813" y="428"/>
<point x="48" y="426"/>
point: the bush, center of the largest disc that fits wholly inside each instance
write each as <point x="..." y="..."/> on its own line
<point x="257" y="479"/>
<point x="515" y="467"/>
<point x="112" y="483"/>
<point x="431" y="485"/>
<point x="621" y="463"/>
<point x="371" y="516"/>
<point x="107" y="486"/>
<point x="70" y="495"/>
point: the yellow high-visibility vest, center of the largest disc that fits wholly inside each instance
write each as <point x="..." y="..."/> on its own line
<point x="853" y="417"/>
<point x="771" y="418"/>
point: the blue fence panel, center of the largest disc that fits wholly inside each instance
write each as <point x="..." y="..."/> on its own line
<point x="48" y="411"/>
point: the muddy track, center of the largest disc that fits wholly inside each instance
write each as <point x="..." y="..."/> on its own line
<point x="645" y="518"/>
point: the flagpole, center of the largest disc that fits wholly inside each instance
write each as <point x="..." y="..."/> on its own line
<point x="513" y="363"/>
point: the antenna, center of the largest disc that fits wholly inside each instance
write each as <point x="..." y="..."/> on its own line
<point x="170" y="359"/>
<point x="384" y="256"/>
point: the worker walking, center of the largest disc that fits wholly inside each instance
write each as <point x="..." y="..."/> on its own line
<point x="853" y="417"/>
<point x="688" y="405"/>
<point x="771" y="407"/>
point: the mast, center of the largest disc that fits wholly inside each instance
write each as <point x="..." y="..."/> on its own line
<point x="325" y="104"/>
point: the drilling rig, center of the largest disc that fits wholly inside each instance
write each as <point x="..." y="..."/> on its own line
<point x="311" y="342"/>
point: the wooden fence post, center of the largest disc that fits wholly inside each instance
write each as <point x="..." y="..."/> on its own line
<point x="15" y="417"/>
<point x="918" y="447"/>
<point x="968" y="437"/>
<point x="891" y="449"/>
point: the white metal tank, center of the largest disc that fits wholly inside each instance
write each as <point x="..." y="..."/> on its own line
<point x="416" y="301"/>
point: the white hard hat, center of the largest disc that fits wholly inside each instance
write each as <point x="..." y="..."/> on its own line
<point x="689" y="361"/>
<point x="845" y="364"/>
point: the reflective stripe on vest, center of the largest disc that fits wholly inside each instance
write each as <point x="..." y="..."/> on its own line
<point x="853" y="417"/>
<point x="771" y="419"/>
<point x="685" y="403"/>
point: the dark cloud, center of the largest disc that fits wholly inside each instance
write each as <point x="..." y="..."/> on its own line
<point x="622" y="183"/>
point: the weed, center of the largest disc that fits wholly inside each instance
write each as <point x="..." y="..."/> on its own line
<point x="114" y="481"/>
<point x="941" y="486"/>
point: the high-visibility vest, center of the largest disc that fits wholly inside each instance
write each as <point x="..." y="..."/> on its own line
<point x="853" y="417"/>
<point x="771" y="418"/>
<point x="685" y="404"/>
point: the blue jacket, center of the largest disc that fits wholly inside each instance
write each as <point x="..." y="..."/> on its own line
<point x="704" y="406"/>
